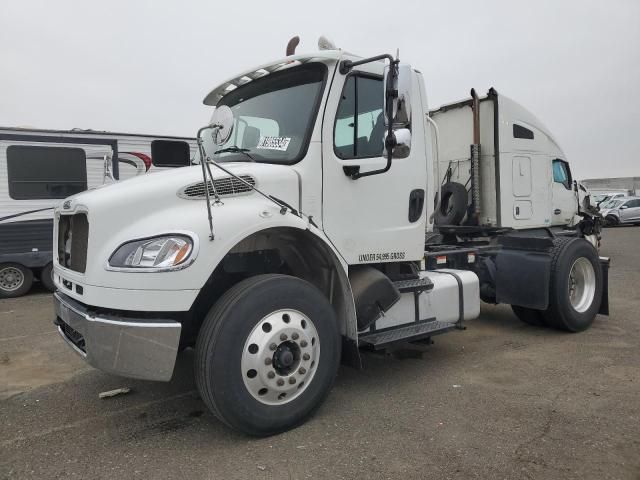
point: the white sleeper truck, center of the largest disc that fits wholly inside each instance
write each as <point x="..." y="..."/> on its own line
<point x="331" y="211"/>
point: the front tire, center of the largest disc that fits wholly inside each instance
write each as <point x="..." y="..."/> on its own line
<point x="15" y="280"/>
<point x="267" y="354"/>
<point x="576" y="285"/>
<point x="611" y="221"/>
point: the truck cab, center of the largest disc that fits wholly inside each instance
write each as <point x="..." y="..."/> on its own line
<point x="310" y="230"/>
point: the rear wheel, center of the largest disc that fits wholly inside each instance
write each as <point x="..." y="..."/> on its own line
<point x="576" y="285"/>
<point x="46" y="277"/>
<point x="529" y="315"/>
<point x="15" y="280"/>
<point x="267" y="354"/>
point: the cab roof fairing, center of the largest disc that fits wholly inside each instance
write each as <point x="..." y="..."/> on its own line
<point x="512" y="111"/>
<point x="231" y="84"/>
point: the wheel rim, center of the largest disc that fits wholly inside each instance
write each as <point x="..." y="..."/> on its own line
<point x="11" y="279"/>
<point x="582" y="284"/>
<point x="280" y="357"/>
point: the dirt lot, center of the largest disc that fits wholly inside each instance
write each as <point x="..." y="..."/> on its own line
<point x="500" y="400"/>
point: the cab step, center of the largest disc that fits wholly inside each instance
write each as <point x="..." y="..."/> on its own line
<point x="410" y="333"/>
<point x="414" y="285"/>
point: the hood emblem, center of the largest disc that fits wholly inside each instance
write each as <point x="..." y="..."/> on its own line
<point x="66" y="205"/>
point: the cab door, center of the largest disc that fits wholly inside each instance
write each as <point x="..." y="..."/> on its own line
<point x="378" y="218"/>
<point x="563" y="196"/>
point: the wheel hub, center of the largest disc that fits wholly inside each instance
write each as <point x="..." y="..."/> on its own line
<point x="582" y="284"/>
<point x="280" y="357"/>
<point x="286" y="358"/>
<point x="11" y="278"/>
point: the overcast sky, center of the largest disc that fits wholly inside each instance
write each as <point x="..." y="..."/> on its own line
<point x="145" y="66"/>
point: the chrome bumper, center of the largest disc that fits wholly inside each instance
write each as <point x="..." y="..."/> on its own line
<point x="144" y="349"/>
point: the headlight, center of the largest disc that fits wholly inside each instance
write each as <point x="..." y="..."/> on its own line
<point x="166" y="252"/>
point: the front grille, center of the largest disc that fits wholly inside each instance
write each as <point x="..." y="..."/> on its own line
<point x="74" y="336"/>
<point x="225" y="186"/>
<point x="73" y="236"/>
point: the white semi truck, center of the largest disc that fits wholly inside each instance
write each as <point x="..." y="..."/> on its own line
<point x="331" y="212"/>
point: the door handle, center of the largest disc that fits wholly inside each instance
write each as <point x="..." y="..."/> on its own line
<point x="557" y="211"/>
<point x="351" y="170"/>
<point x="416" y="204"/>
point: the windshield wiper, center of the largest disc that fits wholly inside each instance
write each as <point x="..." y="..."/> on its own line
<point x="236" y="149"/>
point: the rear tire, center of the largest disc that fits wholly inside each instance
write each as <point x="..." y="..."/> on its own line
<point x="246" y="382"/>
<point x="46" y="277"/>
<point x="529" y="315"/>
<point x="576" y="284"/>
<point x="15" y="280"/>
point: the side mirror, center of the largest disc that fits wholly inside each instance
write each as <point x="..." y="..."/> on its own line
<point x="403" y="143"/>
<point x="397" y="106"/>
<point x="397" y="90"/>
<point x="221" y="125"/>
<point x="622" y="207"/>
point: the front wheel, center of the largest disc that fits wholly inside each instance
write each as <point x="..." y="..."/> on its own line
<point x="267" y="354"/>
<point x="611" y="221"/>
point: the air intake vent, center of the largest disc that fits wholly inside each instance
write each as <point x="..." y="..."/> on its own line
<point x="225" y="186"/>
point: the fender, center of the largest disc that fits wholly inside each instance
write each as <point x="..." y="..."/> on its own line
<point x="302" y="236"/>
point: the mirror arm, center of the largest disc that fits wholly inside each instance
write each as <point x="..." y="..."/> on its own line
<point x="390" y="141"/>
<point x="347" y="65"/>
<point x="203" y="160"/>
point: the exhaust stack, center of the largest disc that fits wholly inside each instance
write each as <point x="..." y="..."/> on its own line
<point x="475" y="161"/>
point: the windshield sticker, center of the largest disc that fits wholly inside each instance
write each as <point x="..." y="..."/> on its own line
<point x="274" y="143"/>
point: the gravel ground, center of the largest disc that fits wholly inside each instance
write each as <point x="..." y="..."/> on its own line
<point x="499" y="400"/>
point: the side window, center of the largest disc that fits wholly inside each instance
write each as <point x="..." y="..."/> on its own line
<point x="561" y="173"/>
<point x="37" y="173"/>
<point x="359" y="127"/>
<point x="633" y="203"/>
<point x="170" y="153"/>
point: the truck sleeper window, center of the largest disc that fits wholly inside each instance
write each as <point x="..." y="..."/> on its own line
<point x="274" y="115"/>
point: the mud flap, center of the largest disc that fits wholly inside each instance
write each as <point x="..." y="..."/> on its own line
<point x="523" y="270"/>
<point x="604" y="304"/>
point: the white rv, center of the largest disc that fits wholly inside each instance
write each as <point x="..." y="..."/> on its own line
<point x="39" y="168"/>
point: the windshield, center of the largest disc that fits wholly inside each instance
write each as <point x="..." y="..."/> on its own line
<point x="274" y="116"/>
<point x="611" y="204"/>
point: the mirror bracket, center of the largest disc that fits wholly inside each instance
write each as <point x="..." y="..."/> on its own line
<point x="347" y="65"/>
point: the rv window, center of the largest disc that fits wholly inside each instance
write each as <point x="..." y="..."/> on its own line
<point x="521" y="132"/>
<point x="170" y="153"/>
<point x="561" y="173"/>
<point x="45" y="172"/>
<point x="359" y="127"/>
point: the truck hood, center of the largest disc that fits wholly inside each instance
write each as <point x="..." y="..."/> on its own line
<point x="152" y="192"/>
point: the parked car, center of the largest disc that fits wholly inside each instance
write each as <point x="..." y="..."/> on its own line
<point x="603" y="197"/>
<point x="621" y="210"/>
